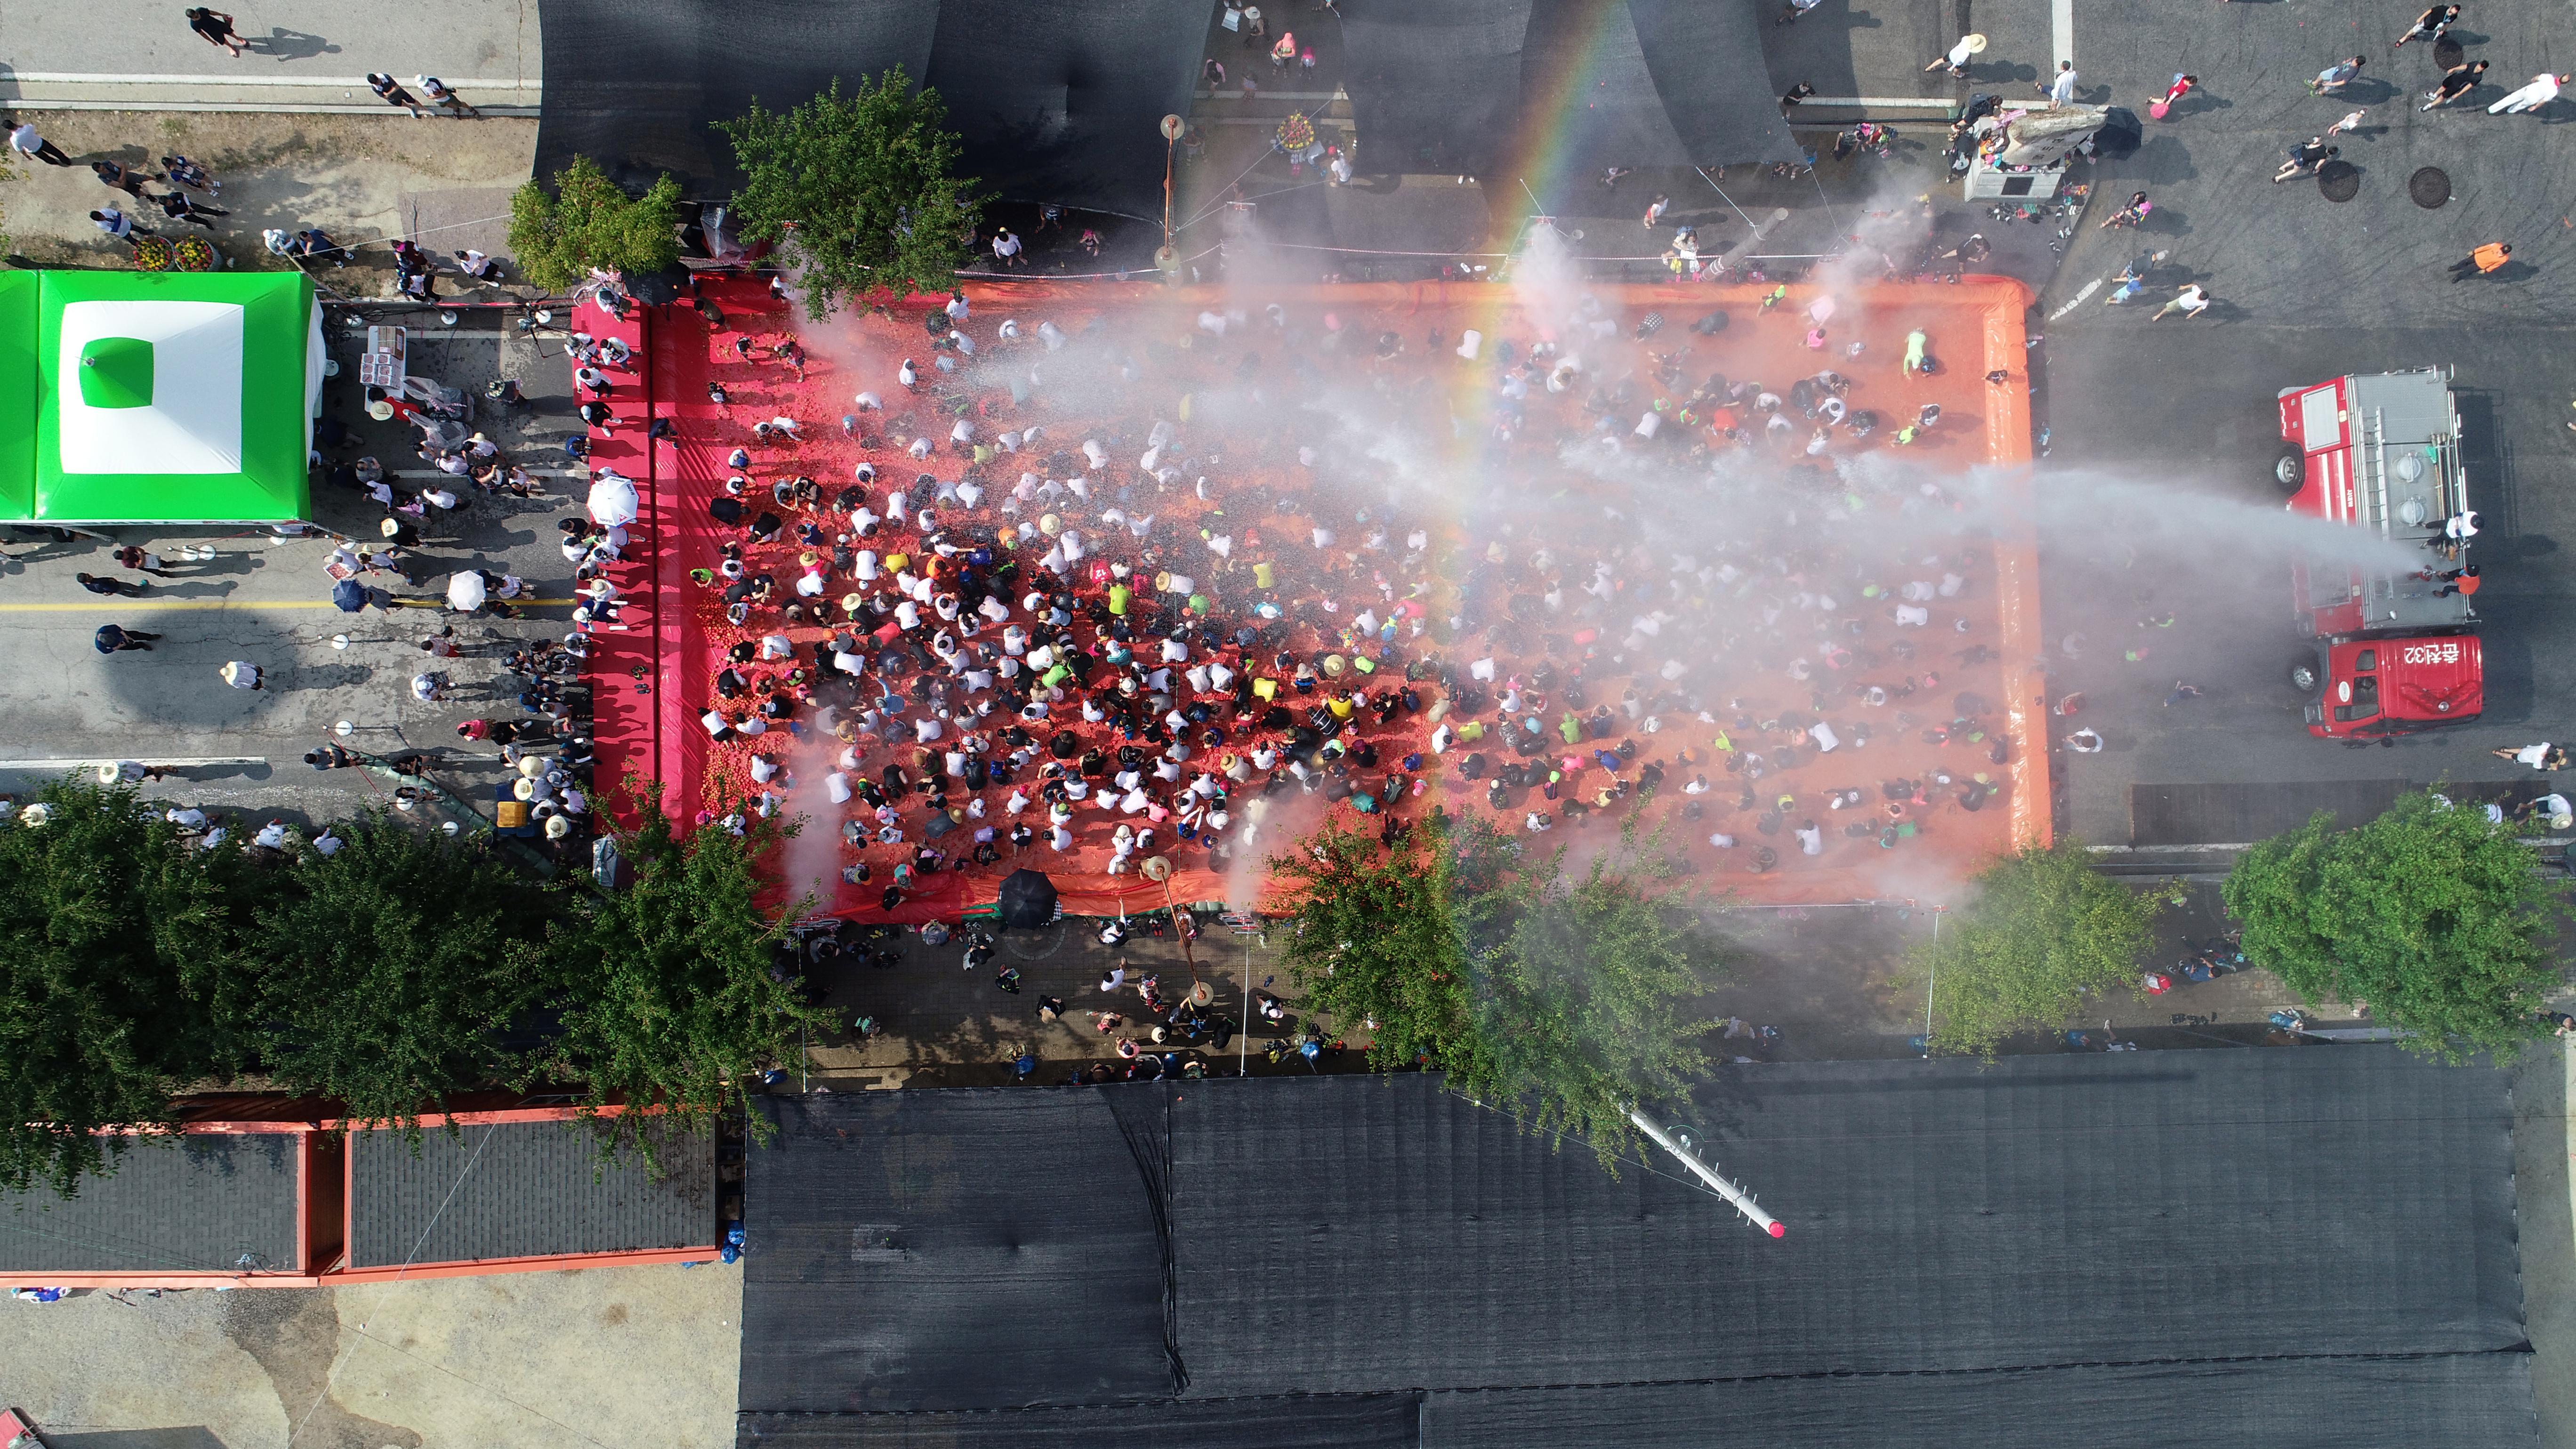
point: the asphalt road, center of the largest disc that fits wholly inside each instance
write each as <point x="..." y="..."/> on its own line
<point x="2173" y="422"/>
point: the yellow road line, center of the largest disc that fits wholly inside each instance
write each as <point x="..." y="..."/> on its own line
<point x="136" y="606"/>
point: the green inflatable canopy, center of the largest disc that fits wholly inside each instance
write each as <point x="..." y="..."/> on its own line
<point x="137" y="397"/>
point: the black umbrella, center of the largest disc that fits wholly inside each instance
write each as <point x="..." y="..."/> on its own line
<point x="1027" y="899"/>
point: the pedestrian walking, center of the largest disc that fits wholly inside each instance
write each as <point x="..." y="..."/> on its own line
<point x="134" y="557"/>
<point x="2336" y="76"/>
<point x="215" y="29"/>
<point x="2181" y="87"/>
<point x="110" y="587"/>
<point x="131" y="772"/>
<point x="180" y="171"/>
<point x="2484" y="260"/>
<point x="1968" y="48"/>
<point x="110" y="638"/>
<point x="124" y="178"/>
<point x="180" y="206"/>
<point x="1794" y="9"/>
<point x="2542" y="756"/>
<point x="2349" y="121"/>
<point x="115" y="223"/>
<point x="242" y="674"/>
<point x="2190" y="302"/>
<point x="2306" y="156"/>
<point x="2059" y="88"/>
<point x="2181" y="691"/>
<point x="2456" y="82"/>
<point x="440" y="96"/>
<point x="1655" y="210"/>
<point x="393" y="94"/>
<point x="2540" y="92"/>
<point x="2429" y="25"/>
<point x="24" y="140"/>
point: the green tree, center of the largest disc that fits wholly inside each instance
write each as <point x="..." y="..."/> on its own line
<point x="390" y="977"/>
<point x="857" y="190"/>
<point x="2430" y="913"/>
<point x="1566" y="996"/>
<point x="118" y="954"/>
<point x="2043" y="930"/>
<point x="589" y="221"/>
<point x="675" y="1004"/>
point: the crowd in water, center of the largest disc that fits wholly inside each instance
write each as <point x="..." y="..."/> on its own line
<point x="1099" y="596"/>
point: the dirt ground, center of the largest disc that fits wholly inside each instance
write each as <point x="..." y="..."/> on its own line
<point x="356" y="177"/>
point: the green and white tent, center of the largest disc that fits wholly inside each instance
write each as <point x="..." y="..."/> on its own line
<point x="138" y="397"/>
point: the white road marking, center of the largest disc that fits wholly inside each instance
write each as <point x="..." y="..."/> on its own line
<point x="2061" y="24"/>
<point x="2090" y="288"/>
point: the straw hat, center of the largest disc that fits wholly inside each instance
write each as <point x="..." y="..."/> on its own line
<point x="1976" y="43"/>
<point x="558" y="826"/>
<point x="1050" y="525"/>
<point x="532" y="765"/>
<point x="525" y="789"/>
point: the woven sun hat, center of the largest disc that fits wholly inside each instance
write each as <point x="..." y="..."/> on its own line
<point x="1976" y="43"/>
<point x="532" y="766"/>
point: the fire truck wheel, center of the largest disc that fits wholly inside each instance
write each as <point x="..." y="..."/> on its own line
<point x="2303" y="676"/>
<point x="2290" y="470"/>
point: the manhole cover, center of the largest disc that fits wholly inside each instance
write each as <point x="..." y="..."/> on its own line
<point x="2339" y="180"/>
<point x="2447" y="52"/>
<point x="2430" y="187"/>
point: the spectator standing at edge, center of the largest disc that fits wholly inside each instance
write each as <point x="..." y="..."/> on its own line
<point x="443" y="98"/>
<point x="394" y="94"/>
<point x="109" y="639"/>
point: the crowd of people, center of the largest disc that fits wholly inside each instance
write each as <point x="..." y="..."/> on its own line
<point x="1063" y="626"/>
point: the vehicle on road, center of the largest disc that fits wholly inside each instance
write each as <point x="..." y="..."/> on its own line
<point x="2393" y="634"/>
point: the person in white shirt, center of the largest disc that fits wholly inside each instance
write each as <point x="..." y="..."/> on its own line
<point x="2541" y="91"/>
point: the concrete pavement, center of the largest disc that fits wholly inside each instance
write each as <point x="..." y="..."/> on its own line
<point x="307" y="56"/>
<point x="266" y="600"/>
<point x="611" y="1357"/>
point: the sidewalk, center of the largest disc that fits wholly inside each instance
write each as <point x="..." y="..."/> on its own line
<point x="310" y="57"/>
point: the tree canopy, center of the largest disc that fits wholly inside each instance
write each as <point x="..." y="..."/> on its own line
<point x="2043" y="930"/>
<point x="390" y="976"/>
<point x="857" y="190"/>
<point x="676" y="1004"/>
<point x="2430" y="913"/>
<point x="387" y="975"/>
<point x="590" y="222"/>
<point x="117" y="950"/>
<point x="1565" y="995"/>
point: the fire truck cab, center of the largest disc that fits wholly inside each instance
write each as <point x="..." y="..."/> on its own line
<point x="2394" y="646"/>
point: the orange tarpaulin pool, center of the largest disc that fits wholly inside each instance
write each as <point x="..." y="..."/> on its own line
<point x="1219" y="565"/>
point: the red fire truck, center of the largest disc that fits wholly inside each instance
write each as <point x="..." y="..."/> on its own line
<point x="2394" y="643"/>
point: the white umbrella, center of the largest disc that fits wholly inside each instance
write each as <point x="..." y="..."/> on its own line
<point x="465" y="592"/>
<point x="612" y="501"/>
